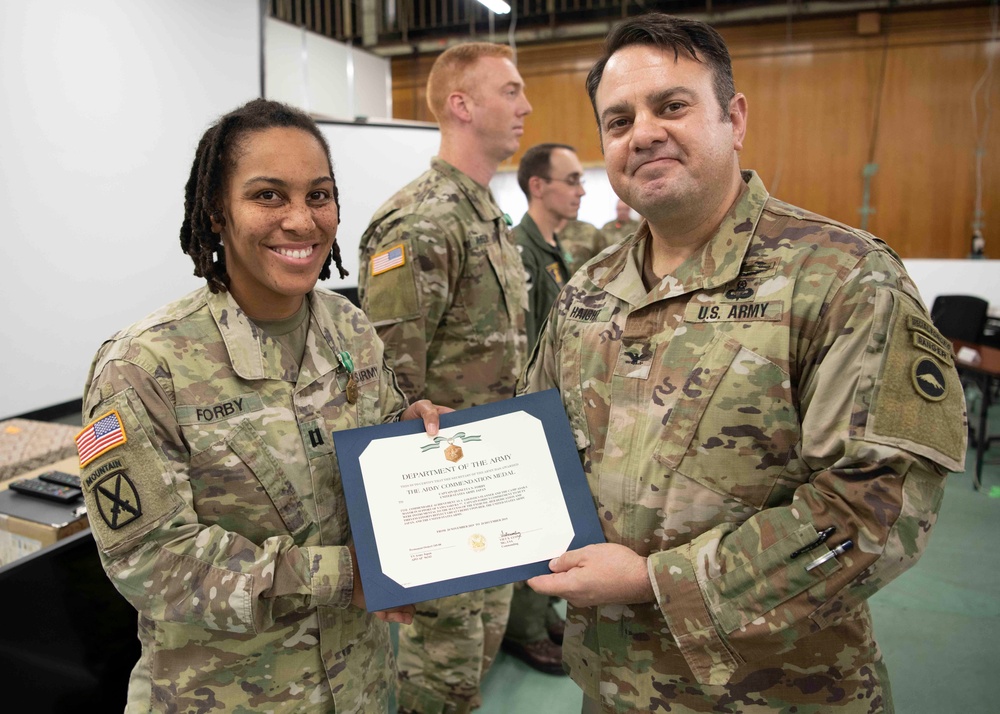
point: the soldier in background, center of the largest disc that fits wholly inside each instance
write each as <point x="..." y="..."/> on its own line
<point x="763" y="409"/>
<point x="580" y="242"/>
<point x="623" y="226"/>
<point x="551" y="177"/>
<point x="442" y="281"/>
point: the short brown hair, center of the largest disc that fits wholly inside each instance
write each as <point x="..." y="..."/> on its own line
<point x="537" y="161"/>
<point x="451" y="68"/>
<point x="698" y="40"/>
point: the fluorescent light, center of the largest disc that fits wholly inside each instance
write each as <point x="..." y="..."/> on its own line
<point x="497" y="6"/>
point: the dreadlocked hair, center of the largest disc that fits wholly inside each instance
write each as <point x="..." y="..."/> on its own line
<point x="215" y="157"/>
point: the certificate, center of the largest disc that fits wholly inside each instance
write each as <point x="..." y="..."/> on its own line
<point x="490" y="500"/>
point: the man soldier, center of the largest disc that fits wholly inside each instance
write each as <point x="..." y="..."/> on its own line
<point x="763" y="409"/>
<point x="623" y="226"/>
<point x="580" y="241"/>
<point x="551" y="177"/>
<point x="442" y="282"/>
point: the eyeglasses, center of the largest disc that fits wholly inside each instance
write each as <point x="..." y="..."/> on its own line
<point x="573" y="181"/>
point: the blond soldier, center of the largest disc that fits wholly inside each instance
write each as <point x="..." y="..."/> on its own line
<point x="207" y="460"/>
<point x="443" y="284"/>
<point x="623" y="226"/>
<point x="764" y="411"/>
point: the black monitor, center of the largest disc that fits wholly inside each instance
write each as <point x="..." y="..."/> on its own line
<point x="67" y="638"/>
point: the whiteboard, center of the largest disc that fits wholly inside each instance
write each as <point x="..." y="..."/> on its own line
<point x="371" y="162"/>
<point x="104" y="104"/>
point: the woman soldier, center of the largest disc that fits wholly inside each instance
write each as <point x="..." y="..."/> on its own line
<point x="207" y="460"/>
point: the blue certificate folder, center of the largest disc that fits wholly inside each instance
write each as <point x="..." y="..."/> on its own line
<point x="381" y="592"/>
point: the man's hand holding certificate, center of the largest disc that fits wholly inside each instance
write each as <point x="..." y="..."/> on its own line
<point x="490" y="500"/>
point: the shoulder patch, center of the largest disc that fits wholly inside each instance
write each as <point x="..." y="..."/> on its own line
<point x="917" y="401"/>
<point x="117" y="500"/>
<point x="100" y="436"/>
<point x="928" y="379"/>
<point x="395" y="257"/>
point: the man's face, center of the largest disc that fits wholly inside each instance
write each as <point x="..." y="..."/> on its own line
<point x="666" y="146"/>
<point x="497" y="105"/>
<point x="560" y="195"/>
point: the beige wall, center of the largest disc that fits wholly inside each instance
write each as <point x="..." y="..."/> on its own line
<point x="812" y="88"/>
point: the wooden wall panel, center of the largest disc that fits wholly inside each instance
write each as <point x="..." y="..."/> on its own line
<point x="813" y="87"/>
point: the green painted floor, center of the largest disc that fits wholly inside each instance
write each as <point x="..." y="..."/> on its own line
<point x="937" y="624"/>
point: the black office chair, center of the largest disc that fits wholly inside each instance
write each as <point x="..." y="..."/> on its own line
<point x="960" y="317"/>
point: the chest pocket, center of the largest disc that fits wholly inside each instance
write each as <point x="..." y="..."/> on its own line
<point x="493" y="272"/>
<point x="734" y="429"/>
<point x="237" y="484"/>
<point x="570" y="365"/>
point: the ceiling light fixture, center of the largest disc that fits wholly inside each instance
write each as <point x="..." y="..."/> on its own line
<point x="497" y="6"/>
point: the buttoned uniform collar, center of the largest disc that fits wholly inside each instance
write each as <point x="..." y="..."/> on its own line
<point x="531" y="230"/>
<point x="479" y="196"/>
<point x="718" y="262"/>
<point x="244" y="344"/>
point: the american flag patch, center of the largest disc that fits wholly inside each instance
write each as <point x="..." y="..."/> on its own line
<point x="100" y="437"/>
<point x="387" y="260"/>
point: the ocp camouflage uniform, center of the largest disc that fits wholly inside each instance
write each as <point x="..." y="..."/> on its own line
<point x="222" y="519"/>
<point x="451" y="314"/>
<point x="784" y="380"/>
<point x="581" y="241"/>
<point x="617" y="231"/>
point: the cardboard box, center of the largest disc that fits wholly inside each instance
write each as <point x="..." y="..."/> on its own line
<point x="26" y="444"/>
<point x="21" y="536"/>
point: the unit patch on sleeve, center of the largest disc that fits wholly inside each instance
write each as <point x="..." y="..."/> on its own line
<point x="388" y="259"/>
<point x="928" y="379"/>
<point x="117" y="500"/>
<point x="100" y="437"/>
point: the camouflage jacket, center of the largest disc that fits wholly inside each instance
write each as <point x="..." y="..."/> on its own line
<point x="616" y="232"/>
<point x="442" y="281"/>
<point x="219" y="513"/>
<point x="545" y="273"/>
<point x="582" y="241"/>
<point x="784" y="380"/>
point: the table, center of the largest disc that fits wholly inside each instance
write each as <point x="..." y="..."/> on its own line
<point x="984" y="370"/>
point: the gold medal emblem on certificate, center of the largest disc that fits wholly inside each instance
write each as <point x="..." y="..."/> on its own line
<point x="477" y="541"/>
<point x="453" y="453"/>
